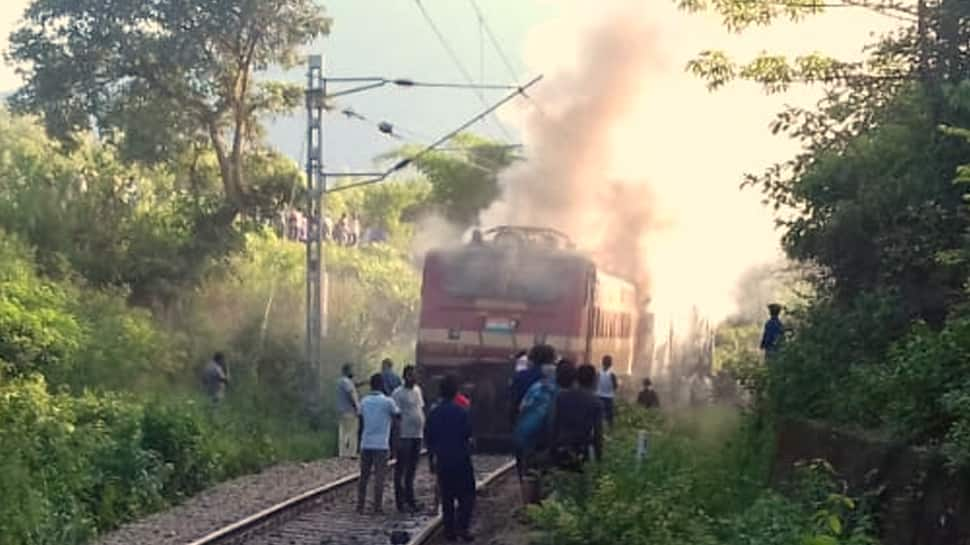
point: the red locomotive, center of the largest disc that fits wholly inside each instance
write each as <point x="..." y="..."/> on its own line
<point x="507" y="290"/>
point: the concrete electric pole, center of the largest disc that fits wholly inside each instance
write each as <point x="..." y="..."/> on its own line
<point x="316" y="283"/>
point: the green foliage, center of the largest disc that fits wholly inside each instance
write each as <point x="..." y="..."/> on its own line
<point x="872" y="204"/>
<point x="159" y="77"/>
<point x="37" y="330"/>
<point x="831" y="345"/>
<point x="392" y="206"/>
<point x="155" y="233"/>
<point x="464" y="181"/>
<point x="256" y="307"/>
<point x="878" y="213"/>
<point x="924" y="47"/>
<point x="73" y="336"/>
<point x="74" y="466"/>
<point x="704" y="481"/>
<point x="866" y="368"/>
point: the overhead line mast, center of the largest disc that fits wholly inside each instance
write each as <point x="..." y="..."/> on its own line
<point x="316" y="280"/>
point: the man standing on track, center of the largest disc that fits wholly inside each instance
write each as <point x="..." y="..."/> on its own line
<point x="606" y="388"/>
<point x="348" y="410"/>
<point x="449" y="440"/>
<point x="391" y="383"/>
<point x="377" y="411"/>
<point x="409" y="399"/>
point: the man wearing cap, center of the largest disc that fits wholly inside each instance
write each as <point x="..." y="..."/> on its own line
<point x="774" y="331"/>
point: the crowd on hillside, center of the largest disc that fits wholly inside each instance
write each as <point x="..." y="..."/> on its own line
<point x="294" y="225"/>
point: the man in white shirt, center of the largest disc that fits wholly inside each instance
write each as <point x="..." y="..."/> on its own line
<point x="377" y="412"/>
<point x="606" y="389"/>
<point x="348" y="409"/>
<point x="521" y="361"/>
<point x="411" y="403"/>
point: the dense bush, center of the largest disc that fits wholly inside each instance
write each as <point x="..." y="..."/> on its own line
<point x="74" y="336"/>
<point x="865" y="368"/>
<point x="704" y="481"/>
<point x="72" y="466"/>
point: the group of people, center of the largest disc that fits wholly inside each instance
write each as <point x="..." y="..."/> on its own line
<point x="390" y="420"/>
<point x="345" y="232"/>
<point x="559" y="412"/>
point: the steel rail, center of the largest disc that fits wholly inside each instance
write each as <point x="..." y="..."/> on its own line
<point x="430" y="530"/>
<point x="252" y="522"/>
<point x="257" y="521"/>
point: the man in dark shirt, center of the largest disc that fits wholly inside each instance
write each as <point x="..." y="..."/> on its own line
<point x="521" y="382"/>
<point x="774" y="330"/>
<point x="647" y="398"/>
<point x="448" y="438"/>
<point x="578" y="421"/>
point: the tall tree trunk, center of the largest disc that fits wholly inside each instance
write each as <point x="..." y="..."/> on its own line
<point x="228" y="169"/>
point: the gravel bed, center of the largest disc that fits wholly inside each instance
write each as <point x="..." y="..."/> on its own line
<point x="335" y="522"/>
<point x="499" y="517"/>
<point x="228" y="502"/>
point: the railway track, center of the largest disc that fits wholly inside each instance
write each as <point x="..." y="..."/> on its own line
<point x="326" y="515"/>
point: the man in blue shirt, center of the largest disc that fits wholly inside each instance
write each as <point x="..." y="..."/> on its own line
<point x="525" y="378"/>
<point x="377" y="412"/>
<point x="774" y="331"/>
<point x="391" y="380"/>
<point x="448" y="437"/>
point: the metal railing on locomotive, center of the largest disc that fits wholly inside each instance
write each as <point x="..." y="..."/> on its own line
<point x="519" y="236"/>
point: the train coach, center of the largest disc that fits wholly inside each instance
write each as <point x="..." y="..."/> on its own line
<point x="508" y="290"/>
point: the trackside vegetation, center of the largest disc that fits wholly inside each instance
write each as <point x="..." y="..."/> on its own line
<point x="704" y="481"/>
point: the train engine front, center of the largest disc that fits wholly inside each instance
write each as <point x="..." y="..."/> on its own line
<point x="483" y="302"/>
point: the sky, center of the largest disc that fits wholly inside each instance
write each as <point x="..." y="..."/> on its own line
<point x="692" y="145"/>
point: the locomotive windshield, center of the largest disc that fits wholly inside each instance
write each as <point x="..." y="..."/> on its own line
<point x="508" y="276"/>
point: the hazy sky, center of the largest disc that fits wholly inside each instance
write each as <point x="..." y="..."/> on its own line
<point x="395" y="40"/>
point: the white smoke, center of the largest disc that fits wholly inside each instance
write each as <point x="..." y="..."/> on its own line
<point x="639" y="163"/>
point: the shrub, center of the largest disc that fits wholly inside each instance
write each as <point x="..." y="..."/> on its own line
<point x="73" y="466"/>
<point x="704" y="481"/>
<point x="858" y="367"/>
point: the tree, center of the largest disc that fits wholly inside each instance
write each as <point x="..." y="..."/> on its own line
<point x="871" y="193"/>
<point x="158" y="76"/>
<point x="464" y="178"/>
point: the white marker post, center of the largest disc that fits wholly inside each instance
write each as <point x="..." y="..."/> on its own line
<point x="642" y="446"/>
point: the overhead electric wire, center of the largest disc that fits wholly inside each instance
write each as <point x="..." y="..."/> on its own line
<point x="416" y="138"/>
<point x="432" y="146"/>
<point x="494" y="40"/>
<point x="496" y="44"/>
<point x="458" y="63"/>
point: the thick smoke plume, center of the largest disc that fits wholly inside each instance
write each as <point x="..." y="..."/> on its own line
<point x="563" y="183"/>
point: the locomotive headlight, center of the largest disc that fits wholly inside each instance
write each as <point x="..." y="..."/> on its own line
<point x="454" y="334"/>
